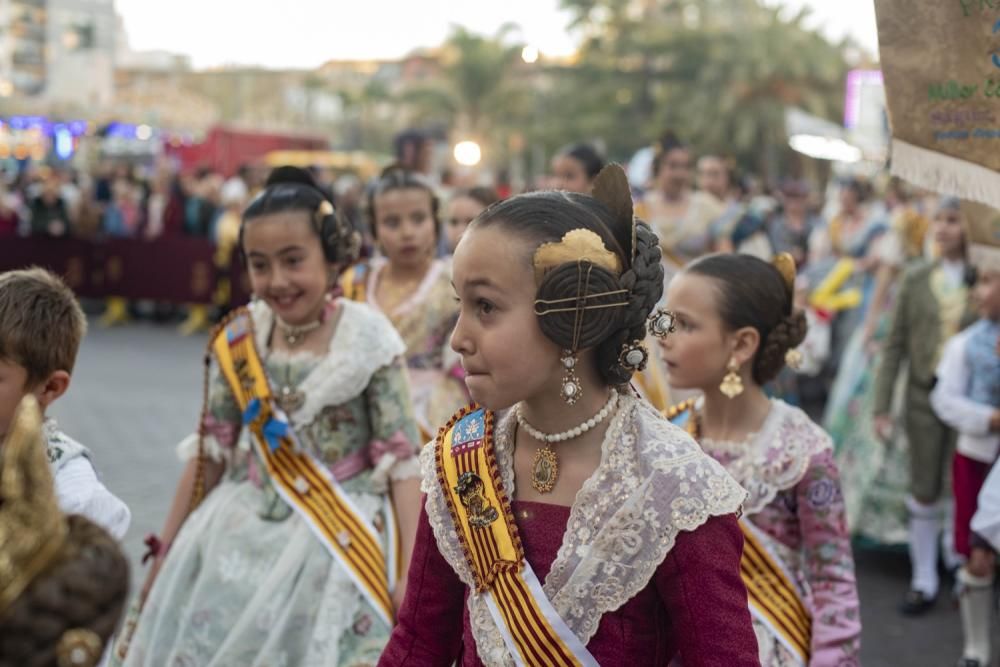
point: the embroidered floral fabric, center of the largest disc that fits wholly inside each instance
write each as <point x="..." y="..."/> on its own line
<point x="653" y="482"/>
<point x="795" y="498"/>
<point x="246" y="581"/>
<point x="425" y="322"/>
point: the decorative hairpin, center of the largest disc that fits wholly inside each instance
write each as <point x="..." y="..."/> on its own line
<point x="661" y="323"/>
<point x="577" y="245"/>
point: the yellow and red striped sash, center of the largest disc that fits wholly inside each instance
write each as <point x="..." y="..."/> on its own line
<point x="303" y="482"/>
<point x="774" y="599"/>
<point x="467" y="471"/>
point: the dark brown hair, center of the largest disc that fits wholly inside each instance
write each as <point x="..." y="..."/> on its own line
<point x="85" y="588"/>
<point x="41" y="323"/>
<point x="752" y="293"/>
<point x="544" y="217"/>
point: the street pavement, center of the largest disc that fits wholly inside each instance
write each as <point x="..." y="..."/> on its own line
<point x="136" y="392"/>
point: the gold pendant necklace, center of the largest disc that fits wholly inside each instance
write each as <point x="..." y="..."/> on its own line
<point x="545" y="470"/>
<point x="545" y="467"/>
<point x="289" y="399"/>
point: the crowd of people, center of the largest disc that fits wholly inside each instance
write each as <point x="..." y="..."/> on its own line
<point x="690" y="380"/>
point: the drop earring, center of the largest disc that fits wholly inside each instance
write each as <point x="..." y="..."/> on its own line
<point x="571" y="389"/>
<point x="732" y="384"/>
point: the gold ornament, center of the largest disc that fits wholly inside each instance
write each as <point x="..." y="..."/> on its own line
<point x="793" y="358"/>
<point x="785" y="264"/>
<point x="576" y="246"/>
<point x="33" y="530"/>
<point x="732" y="384"/>
<point x="472" y="493"/>
<point x="662" y="323"/>
<point x="544" y="470"/>
<point x="634" y="356"/>
<point x="79" y="648"/>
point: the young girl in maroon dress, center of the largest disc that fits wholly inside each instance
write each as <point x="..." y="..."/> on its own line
<point x="565" y="522"/>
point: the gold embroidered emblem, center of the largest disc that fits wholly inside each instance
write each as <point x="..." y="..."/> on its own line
<point x="470" y="491"/>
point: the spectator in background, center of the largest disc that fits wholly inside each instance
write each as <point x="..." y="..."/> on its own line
<point x="200" y="208"/>
<point x="414" y="151"/>
<point x="792" y="227"/>
<point x="121" y="217"/>
<point x="463" y="207"/>
<point x="49" y="216"/>
<point x="575" y="167"/>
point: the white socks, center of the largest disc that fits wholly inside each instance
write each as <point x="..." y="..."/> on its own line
<point x="976" y="603"/>
<point x="925" y="532"/>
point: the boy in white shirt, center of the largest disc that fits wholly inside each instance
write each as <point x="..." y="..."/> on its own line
<point x="967" y="398"/>
<point x="41" y="326"/>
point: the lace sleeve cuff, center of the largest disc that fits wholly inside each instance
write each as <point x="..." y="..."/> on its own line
<point x="187" y="448"/>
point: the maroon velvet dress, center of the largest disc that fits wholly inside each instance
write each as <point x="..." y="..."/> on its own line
<point x="694" y="608"/>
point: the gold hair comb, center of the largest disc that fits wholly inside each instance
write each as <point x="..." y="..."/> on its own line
<point x="576" y="246"/>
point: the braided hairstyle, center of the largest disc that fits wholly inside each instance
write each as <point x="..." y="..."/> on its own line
<point x="754" y="294"/>
<point x="293" y="189"/>
<point x="545" y="217"/>
<point x="86" y="589"/>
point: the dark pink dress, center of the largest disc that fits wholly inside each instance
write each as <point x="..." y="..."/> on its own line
<point x="694" y="608"/>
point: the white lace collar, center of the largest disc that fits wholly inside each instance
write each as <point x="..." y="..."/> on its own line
<point x="363" y="342"/>
<point x="652" y="483"/>
<point x="775" y="458"/>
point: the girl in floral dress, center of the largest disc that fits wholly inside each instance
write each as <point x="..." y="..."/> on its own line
<point x="243" y="578"/>
<point x="734" y="326"/>
<point x="413" y="289"/>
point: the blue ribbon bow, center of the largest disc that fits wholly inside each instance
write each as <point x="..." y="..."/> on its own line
<point x="274" y="429"/>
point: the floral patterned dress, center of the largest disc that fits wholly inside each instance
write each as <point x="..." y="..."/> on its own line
<point x="795" y="500"/>
<point x="246" y="582"/>
<point x="425" y="321"/>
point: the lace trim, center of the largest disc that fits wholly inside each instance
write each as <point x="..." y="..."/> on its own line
<point x="418" y="297"/>
<point x="774" y="459"/>
<point x="363" y="342"/>
<point x="652" y="483"/>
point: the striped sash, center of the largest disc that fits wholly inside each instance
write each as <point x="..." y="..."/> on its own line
<point x="774" y="600"/>
<point x="302" y="481"/>
<point x="533" y="631"/>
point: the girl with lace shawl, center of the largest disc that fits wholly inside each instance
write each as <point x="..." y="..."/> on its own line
<point x="566" y="522"/>
<point x="412" y="287"/>
<point x="734" y="327"/>
<point x="246" y="576"/>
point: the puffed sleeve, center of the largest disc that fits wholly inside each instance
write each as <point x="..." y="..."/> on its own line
<point x="428" y="632"/>
<point x="700" y="586"/>
<point x="836" y="623"/>
<point x="394" y="437"/>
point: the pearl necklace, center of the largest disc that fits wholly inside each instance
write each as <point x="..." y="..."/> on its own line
<point x="294" y="335"/>
<point x="545" y="469"/>
<point x="574" y="432"/>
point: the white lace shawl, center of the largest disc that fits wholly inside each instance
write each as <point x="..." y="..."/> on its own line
<point x="363" y="342"/>
<point x="774" y="459"/>
<point x="652" y="483"/>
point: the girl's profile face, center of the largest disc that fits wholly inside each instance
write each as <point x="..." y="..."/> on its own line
<point x="404" y="226"/>
<point x="286" y="264"/>
<point x="505" y="355"/>
<point x="569" y="174"/>
<point x="697" y="352"/>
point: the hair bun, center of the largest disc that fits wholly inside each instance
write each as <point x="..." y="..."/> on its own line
<point x="560" y="287"/>
<point x="290" y="174"/>
<point x="787" y="335"/>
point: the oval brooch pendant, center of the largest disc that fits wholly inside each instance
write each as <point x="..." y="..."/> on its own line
<point x="545" y="470"/>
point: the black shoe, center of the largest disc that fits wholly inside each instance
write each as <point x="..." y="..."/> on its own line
<point x="916" y="603"/>
<point x="969" y="662"/>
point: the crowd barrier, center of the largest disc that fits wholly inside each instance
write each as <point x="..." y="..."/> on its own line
<point x="171" y="270"/>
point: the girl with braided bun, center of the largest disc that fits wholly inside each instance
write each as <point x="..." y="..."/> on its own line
<point x="565" y="521"/>
<point x="297" y="508"/>
<point x="735" y="328"/>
